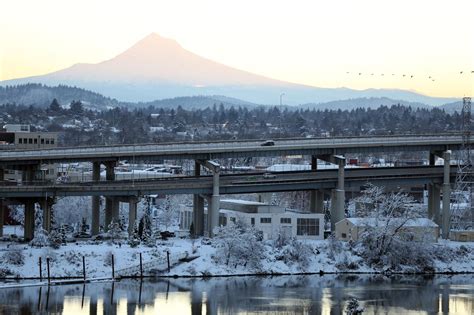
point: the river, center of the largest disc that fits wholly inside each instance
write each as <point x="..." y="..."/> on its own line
<point x="314" y="294"/>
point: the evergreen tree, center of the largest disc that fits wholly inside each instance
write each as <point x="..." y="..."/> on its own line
<point x="134" y="238"/>
<point x="55" y="107"/>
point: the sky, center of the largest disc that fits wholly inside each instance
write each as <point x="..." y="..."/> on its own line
<point x="309" y="42"/>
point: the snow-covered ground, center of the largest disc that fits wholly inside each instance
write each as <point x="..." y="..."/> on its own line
<point x="323" y="256"/>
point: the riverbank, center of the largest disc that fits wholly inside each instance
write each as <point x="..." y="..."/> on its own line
<point x="202" y="258"/>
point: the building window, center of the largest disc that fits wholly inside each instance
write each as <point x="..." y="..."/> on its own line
<point x="265" y="220"/>
<point x="47" y="141"/>
<point x="20" y="140"/>
<point x="30" y="141"/>
<point x="24" y="128"/>
<point x="35" y="141"/>
<point x="285" y="220"/>
<point x="252" y="221"/>
<point x="52" y="141"/>
<point x="343" y="235"/>
<point x="42" y="141"/>
<point x="232" y="219"/>
<point x="307" y="227"/>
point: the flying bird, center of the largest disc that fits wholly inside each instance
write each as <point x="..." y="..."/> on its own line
<point x="460" y="72"/>
<point x="411" y="77"/>
<point x="360" y="73"/>
<point x="403" y="75"/>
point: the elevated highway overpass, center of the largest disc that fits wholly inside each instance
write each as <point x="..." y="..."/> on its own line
<point x="232" y="149"/>
<point x="234" y="184"/>
<point x="205" y="154"/>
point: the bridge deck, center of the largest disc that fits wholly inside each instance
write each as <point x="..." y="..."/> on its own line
<point x="213" y="150"/>
<point x="235" y="184"/>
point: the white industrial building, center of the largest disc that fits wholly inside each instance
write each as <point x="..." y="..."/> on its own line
<point x="269" y="219"/>
<point x="422" y="229"/>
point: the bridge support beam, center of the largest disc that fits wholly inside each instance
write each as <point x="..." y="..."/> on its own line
<point x="95" y="221"/>
<point x="215" y="200"/>
<point x="316" y="204"/>
<point x="2" y="214"/>
<point x="28" y="173"/>
<point x="132" y="214"/>
<point x="213" y="214"/>
<point x="111" y="203"/>
<point x="434" y="195"/>
<point x="317" y="201"/>
<point x="446" y="218"/>
<point x="29" y="232"/>
<point x="46" y="205"/>
<point x="198" y="207"/>
<point x="337" y="195"/>
<point x="2" y="174"/>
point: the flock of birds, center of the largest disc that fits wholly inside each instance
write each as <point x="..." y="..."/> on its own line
<point x="411" y="76"/>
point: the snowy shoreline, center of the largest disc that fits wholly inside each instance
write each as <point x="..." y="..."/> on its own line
<point x="196" y="259"/>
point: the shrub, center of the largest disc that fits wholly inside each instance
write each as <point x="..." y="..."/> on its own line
<point x="14" y="257"/>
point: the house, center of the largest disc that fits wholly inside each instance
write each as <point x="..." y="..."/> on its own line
<point x="352" y="228"/>
<point x="270" y="219"/>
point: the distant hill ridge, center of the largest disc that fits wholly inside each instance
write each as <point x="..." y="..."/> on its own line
<point x="159" y="68"/>
<point x="42" y="95"/>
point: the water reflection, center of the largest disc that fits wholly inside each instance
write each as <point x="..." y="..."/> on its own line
<point x="249" y="295"/>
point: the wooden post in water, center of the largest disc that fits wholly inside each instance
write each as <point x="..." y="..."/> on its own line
<point x="168" y="259"/>
<point x="84" y="267"/>
<point x="141" y="266"/>
<point x="47" y="266"/>
<point x="40" y="269"/>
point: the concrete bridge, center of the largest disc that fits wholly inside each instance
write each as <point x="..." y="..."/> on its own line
<point x="209" y="188"/>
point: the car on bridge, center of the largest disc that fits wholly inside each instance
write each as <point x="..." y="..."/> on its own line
<point x="268" y="143"/>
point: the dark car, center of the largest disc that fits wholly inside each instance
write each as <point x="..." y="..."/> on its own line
<point x="268" y="143"/>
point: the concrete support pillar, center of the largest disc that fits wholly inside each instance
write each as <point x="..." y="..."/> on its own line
<point x="29" y="231"/>
<point x="2" y="174"/>
<point x="446" y="219"/>
<point x="115" y="208"/>
<point x="198" y="215"/>
<point x="108" y="212"/>
<point x="338" y="195"/>
<point x="132" y="214"/>
<point x="2" y="215"/>
<point x="213" y="214"/>
<point x="337" y="207"/>
<point x="432" y="159"/>
<point x="95" y="201"/>
<point x="46" y="207"/>
<point x="317" y="201"/>
<point x="198" y="207"/>
<point x="436" y="204"/>
<point x="28" y="173"/>
<point x="110" y="171"/>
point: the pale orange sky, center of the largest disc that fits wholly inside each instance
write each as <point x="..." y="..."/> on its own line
<point x="309" y="42"/>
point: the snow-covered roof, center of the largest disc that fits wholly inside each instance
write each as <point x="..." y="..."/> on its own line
<point x="244" y="202"/>
<point x="411" y="222"/>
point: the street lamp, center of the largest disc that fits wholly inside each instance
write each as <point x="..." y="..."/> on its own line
<point x="281" y="97"/>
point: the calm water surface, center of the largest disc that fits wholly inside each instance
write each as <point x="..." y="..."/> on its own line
<point x="249" y="295"/>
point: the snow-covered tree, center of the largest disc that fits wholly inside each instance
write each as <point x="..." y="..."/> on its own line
<point x="114" y="230"/>
<point x="134" y="238"/>
<point x="167" y="212"/>
<point x="238" y="244"/>
<point x="71" y="210"/>
<point x="145" y="230"/>
<point x="41" y="236"/>
<point x="386" y="241"/>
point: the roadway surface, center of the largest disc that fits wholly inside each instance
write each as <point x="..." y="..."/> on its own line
<point x="232" y="149"/>
<point x="236" y="183"/>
